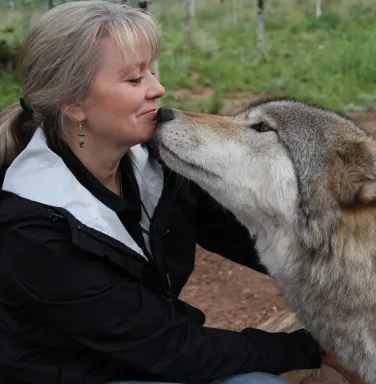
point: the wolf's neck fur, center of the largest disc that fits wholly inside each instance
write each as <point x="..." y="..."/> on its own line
<point x="277" y="245"/>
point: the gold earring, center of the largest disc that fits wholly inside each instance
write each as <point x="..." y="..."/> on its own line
<point x="81" y="142"/>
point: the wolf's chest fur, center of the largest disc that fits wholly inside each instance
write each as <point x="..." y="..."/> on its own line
<point x="320" y="292"/>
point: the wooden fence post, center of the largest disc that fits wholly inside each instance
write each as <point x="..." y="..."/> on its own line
<point x="318" y="8"/>
<point x="189" y="14"/>
<point x="261" y="26"/>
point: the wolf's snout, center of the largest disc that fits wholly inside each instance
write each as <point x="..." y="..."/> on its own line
<point x="165" y="114"/>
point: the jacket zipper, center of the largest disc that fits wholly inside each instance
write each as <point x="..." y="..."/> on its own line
<point x="54" y="216"/>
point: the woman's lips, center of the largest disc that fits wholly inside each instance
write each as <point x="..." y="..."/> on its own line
<point x="150" y="111"/>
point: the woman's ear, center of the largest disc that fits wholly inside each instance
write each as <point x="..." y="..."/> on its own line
<point x="73" y="112"/>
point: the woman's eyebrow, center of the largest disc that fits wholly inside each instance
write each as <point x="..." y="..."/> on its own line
<point x="136" y="65"/>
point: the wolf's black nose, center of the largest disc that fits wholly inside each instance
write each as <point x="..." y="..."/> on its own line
<point x="165" y="114"/>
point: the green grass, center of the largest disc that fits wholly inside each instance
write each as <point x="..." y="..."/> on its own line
<point x="330" y="61"/>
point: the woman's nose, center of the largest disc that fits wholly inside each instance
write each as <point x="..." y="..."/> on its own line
<point x="155" y="90"/>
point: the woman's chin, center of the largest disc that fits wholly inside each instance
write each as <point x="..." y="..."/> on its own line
<point x="148" y="133"/>
<point x="138" y="136"/>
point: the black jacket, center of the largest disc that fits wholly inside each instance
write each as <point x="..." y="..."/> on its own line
<point x="78" y="306"/>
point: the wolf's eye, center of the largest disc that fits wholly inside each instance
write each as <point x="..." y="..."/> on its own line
<point x="261" y="127"/>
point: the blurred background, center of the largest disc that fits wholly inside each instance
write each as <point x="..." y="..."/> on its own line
<point x="217" y="55"/>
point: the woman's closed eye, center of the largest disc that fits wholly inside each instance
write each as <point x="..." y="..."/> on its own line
<point x="137" y="80"/>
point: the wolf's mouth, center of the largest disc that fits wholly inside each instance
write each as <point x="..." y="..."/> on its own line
<point x="195" y="167"/>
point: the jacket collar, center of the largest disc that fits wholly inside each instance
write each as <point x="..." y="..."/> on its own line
<point x="40" y="175"/>
<point x="89" y="181"/>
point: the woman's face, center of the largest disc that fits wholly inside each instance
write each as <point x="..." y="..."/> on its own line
<point x="122" y="106"/>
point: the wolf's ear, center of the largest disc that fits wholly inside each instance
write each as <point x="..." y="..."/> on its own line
<point x="354" y="176"/>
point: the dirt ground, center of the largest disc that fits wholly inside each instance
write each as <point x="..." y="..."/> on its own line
<point x="234" y="297"/>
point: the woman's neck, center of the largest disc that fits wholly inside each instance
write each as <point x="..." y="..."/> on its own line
<point x="102" y="162"/>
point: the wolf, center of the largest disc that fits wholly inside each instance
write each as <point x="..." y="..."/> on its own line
<point x="302" y="180"/>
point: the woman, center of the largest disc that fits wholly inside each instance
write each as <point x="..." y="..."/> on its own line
<point x="97" y="238"/>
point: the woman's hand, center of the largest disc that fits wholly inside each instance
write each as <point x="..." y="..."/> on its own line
<point x="331" y="360"/>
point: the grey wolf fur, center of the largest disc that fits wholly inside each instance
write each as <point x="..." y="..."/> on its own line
<point x="302" y="179"/>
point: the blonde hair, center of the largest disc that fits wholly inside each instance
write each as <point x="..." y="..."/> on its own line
<point x="58" y="62"/>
